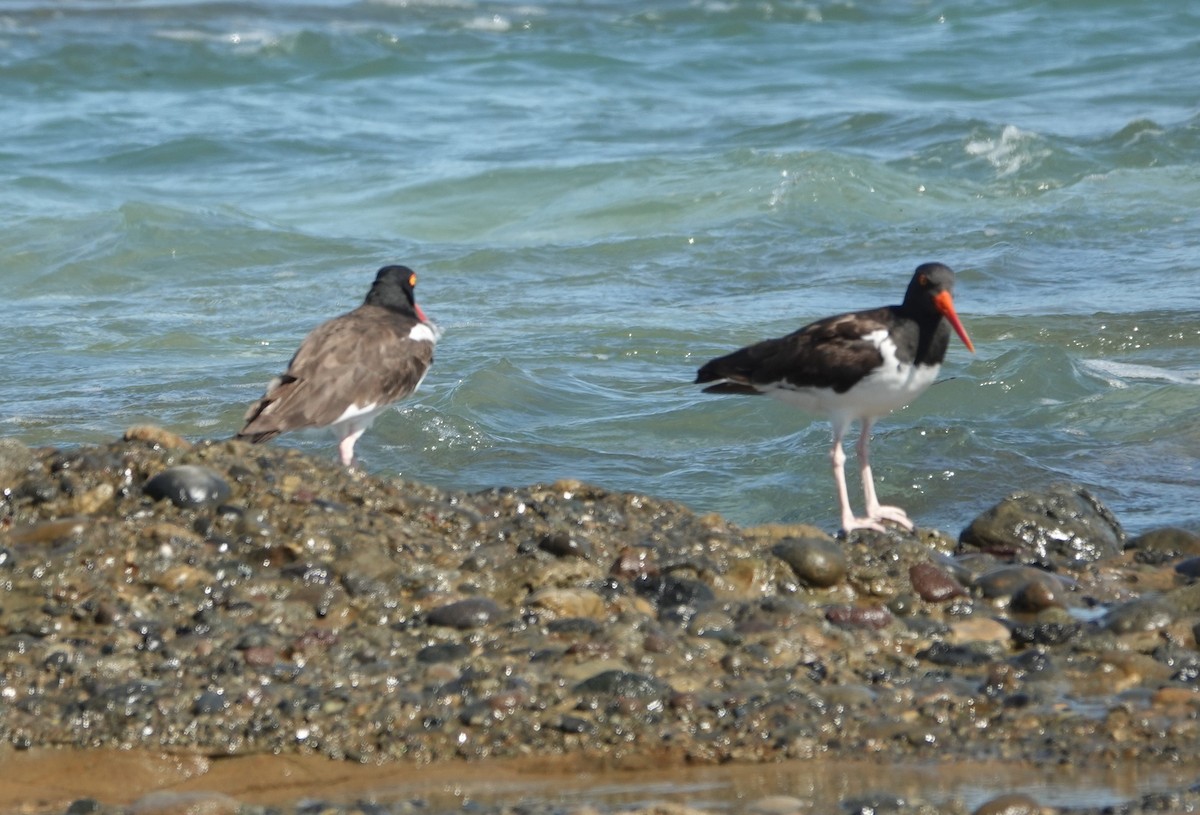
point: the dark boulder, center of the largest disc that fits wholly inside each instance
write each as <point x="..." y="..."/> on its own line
<point x="1061" y="526"/>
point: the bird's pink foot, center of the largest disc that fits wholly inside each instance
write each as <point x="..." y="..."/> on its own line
<point x="851" y="524"/>
<point x="893" y="514"/>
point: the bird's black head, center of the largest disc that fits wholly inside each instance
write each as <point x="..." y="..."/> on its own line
<point x="393" y="289"/>
<point x="929" y="280"/>
<point x="931" y="292"/>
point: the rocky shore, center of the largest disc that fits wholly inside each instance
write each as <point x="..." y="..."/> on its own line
<point x="218" y="599"/>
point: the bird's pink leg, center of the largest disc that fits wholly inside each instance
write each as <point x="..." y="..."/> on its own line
<point x="875" y="510"/>
<point x="346" y="447"/>
<point x="837" y="456"/>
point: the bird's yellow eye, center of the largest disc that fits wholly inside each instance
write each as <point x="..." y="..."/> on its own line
<point x="412" y="280"/>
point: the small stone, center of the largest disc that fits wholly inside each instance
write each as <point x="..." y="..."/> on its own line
<point x="474" y="612"/>
<point x="817" y="562"/>
<point x="1176" y="697"/>
<point x="444" y="652"/>
<point x="869" y="617"/>
<point x="1168" y="541"/>
<point x="49" y="532"/>
<point x="259" y="656"/>
<point x="1037" y="595"/>
<point x="633" y="562"/>
<point x="178" y="578"/>
<point x="209" y="702"/>
<point x="569" y="603"/>
<point x="1011" y="804"/>
<point x="561" y="544"/>
<point x="1143" y="614"/>
<point x="624" y="683"/>
<point x="188" y="485"/>
<point x="668" y="591"/>
<point x="934" y="585"/>
<point x="93" y="500"/>
<point x="969" y="655"/>
<point x="1189" y="568"/>
<point x="978" y="629"/>
<point x="714" y="625"/>
<point x="1007" y="581"/>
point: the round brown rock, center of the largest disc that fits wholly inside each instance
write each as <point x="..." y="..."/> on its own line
<point x="816" y="561"/>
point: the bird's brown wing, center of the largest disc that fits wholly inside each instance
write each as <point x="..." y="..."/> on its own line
<point x="362" y="358"/>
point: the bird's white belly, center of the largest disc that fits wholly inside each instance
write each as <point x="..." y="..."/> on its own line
<point x="889" y="387"/>
<point x="356" y="417"/>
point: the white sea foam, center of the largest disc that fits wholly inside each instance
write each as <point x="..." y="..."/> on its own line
<point x="1013" y="151"/>
<point x="1120" y="374"/>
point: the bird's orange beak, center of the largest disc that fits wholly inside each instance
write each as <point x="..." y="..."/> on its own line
<point x="945" y="304"/>
<point x="421" y="315"/>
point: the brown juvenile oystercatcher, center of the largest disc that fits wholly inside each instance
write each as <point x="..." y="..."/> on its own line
<point x="861" y="365"/>
<point x="349" y="369"/>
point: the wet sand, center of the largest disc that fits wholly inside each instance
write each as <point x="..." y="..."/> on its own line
<point x="47" y="780"/>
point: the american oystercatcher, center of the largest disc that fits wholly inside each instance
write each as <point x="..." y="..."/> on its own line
<point x="349" y="369"/>
<point x="861" y="365"/>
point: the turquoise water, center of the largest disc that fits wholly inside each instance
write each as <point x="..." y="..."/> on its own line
<point x="598" y="197"/>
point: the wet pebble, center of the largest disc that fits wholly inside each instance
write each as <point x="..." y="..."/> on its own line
<point x="562" y="544"/>
<point x="934" y="585"/>
<point x="569" y="603"/>
<point x="967" y="655"/>
<point x="1189" y="568"/>
<point x="1007" y="581"/>
<point x="816" y="562"/>
<point x="1011" y="804"/>
<point x="1164" y="544"/>
<point x="623" y="683"/>
<point x="209" y="702"/>
<point x="868" y="617"/>
<point x="1143" y="614"/>
<point x="667" y="591"/>
<point x="48" y="532"/>
<point x="1037" y="595"/>
<point x="1062" y="525"/>
<point x="188" y="485"/>
<point x="473" y="612"/>
<point x="978" y="629"/>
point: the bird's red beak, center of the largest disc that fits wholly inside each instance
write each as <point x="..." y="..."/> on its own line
<point x="421" y="315"/>
<point x="945" y="304"/>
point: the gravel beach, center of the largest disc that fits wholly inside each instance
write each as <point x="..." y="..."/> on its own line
<point x="217" y="601"/>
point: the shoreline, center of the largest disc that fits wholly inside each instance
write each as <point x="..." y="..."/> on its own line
<point x="50" y="780"/>
<point x="224" y="600"/>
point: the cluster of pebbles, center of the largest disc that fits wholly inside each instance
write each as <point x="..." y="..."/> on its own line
<point x="226" y="599"/>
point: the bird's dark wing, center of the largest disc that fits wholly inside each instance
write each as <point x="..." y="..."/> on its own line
<point x="831" y="353"/>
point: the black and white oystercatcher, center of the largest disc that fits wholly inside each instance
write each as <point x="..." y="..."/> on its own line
<point x="861" y="366"/>
<point x="349" y="369"/>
